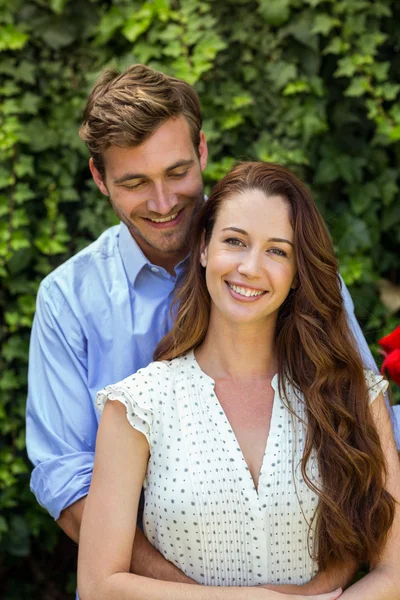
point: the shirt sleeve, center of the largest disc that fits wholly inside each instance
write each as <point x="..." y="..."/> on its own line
<point x="376" y="384"/>
<point x="366" y="354"/>
<point x="61" y="421"/>
<point x="136" y="393"/>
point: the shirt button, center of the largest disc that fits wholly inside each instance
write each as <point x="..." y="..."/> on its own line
<point x="154" y="269"/>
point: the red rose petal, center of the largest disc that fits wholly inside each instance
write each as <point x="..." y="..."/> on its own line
<point x="391" y="364"/>
<point x="392" y="341"/>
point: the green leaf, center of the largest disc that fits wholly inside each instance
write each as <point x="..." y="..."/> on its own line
<point x="20" y="260"/>
<point x="358" y="87"/>
<point x="15" y="348"/>
<point x="353" y="268"/>
<point x="361" y="196"/>
<point x="281" y="73"/>
<point x="391" y="216"/>
<point x="162" y="8"/>
<point x="274" y="12"/>
<point x="12" y="38"/>
<point x="8" y="379"/>
<point x="300" y="86"/>
<point x="231" y="120"/>
<point x="387" y="91"/>
<point x="337" y="46"/>
<point x="109" y="24"/>
<point x="30" y="103"/>
<point x="24" y="165"/>
<point x="346" y="67"/>
<point x="355" y="236"/>
<point x="327" y="172"/>
<point x="6" y="179"/>
<point x="22" y="193"/>
<point x="324" y="23"/>
<point x="58" y="6"/>
<point x="58" y="33"/>
<point x="138" y="22"/>
<point x="388" y="191"/>
<point x="242" y="100"/>
<point x="19" y="537"/>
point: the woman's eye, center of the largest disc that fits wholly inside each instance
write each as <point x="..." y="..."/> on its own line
<point x="234" y="242"/>
<point x="278" y="251"/>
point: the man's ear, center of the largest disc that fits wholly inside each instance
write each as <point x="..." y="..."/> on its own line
<point x="98" y="179"/>
<point x="203" y="251"/>
<point x="203" y="151"/>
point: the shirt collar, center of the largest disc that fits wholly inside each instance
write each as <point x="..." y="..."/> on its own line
<point x="133" y="258"/>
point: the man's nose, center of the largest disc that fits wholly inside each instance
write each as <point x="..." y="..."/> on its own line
<point x="162" y="200"/>
<point x="251" y="264"/>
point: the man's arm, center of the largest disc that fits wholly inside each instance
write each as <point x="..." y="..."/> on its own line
<point x="146" y="560"/>
<point x="71" y="518"/>
<point x="61" y="425"/>
<point x="363" y="347"/>
<point x="366" y="354"/>
<point x="61" y="422"/>
<point x="335" y="576"/>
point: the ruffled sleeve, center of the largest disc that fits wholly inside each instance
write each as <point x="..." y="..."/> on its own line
<point x="376" y="384"/>
<point x="137" y="394"/>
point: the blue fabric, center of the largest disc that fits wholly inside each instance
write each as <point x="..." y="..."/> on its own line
<point x="98" y="319"/>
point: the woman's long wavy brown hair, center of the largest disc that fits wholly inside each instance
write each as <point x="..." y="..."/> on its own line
<point x="317" y="355"/>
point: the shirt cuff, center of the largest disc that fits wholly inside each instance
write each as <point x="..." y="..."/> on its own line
<point x="59" y="482"/>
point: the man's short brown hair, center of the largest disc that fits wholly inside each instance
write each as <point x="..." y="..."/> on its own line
<point x="125" y="109"/>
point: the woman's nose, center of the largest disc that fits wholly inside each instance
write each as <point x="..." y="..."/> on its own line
<point x="251" y="265"/>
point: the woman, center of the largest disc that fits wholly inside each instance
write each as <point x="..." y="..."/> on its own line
<point x="264" y="450"/>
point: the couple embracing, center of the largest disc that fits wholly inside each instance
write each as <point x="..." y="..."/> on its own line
<point x="252" y="417"/>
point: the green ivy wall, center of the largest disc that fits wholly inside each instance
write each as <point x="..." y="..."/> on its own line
<point x="309" y="83"/>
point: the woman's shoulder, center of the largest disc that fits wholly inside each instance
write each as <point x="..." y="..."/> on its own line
<point x="144" y="393"/>
<point x="155" y="377"/>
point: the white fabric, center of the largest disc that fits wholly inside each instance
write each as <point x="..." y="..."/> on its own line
<point x="202" y="510"/>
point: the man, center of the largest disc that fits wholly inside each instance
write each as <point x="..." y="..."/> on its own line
<point x="101" y="314"/>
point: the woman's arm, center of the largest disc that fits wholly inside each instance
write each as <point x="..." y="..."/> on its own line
<point x="383" y="580"/>
<point x="109" y="523"/>
<point x="146" y="560"/>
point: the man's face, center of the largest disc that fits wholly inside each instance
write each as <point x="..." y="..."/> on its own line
<point x="156" y="188"/>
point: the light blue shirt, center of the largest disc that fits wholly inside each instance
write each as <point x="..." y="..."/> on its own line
<point x="99" y="317"/>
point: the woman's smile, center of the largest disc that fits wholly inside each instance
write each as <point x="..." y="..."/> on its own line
<point x="244" y="293"/>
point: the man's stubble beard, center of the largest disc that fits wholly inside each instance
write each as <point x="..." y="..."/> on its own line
<point x="136" y="233"/>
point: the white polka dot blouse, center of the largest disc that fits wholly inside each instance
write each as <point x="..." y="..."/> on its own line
<point x="202" y="510"/>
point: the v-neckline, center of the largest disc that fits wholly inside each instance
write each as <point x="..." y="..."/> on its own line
<point x="223" y="419"/>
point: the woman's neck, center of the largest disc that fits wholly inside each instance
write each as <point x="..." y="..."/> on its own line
<point x="238" y="351"/>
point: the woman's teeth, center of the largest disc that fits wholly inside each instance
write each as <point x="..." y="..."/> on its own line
<point x="245" y="291"/>
<point x="165" y="219"/>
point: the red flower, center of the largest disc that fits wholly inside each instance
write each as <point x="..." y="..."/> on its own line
<point x="392" y="364"/>
<point x="391" y="348"/>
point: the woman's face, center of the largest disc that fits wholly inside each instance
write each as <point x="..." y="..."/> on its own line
<point x="250" y="259"/>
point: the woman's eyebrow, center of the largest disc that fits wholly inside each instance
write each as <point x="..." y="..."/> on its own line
<point x="236" y="229"/>
<point x="273" y="239"/>
<point x="281" y="240"/>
